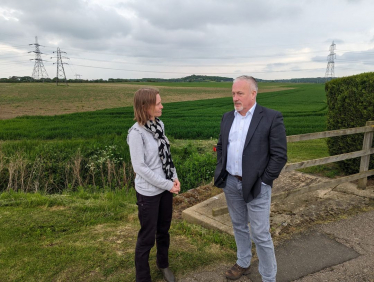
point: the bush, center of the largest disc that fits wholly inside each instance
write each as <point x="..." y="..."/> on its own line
<point x="350" y="104"/>
<point x="193" y="167"/>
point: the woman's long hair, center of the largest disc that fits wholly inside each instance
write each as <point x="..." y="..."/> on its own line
<point x="144" y="100"/>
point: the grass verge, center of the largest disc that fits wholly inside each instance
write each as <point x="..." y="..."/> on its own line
<point x="85" y="236"/>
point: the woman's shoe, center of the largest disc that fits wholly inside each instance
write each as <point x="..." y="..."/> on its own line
<point x="168" y="274"/>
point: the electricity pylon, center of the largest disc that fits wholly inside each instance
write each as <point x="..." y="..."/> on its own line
<point x="330" y="70"/>
<point x="60" y="67"/>
<point x="39" y="71"/>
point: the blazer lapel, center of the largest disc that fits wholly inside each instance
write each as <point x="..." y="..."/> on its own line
<point x="227" y="128"/>
<point x="257" y="116"/>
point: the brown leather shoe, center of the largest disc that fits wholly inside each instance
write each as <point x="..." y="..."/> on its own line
<point x="236" y="272"/>
<point x="168" y="274"/>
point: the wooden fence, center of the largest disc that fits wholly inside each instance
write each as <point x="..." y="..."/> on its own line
<point x="362" y="176"/>
<point x="365" y="153"/>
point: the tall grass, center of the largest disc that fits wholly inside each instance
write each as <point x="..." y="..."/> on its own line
<point x="66" y="165"/>
<point x="97" y="164"/>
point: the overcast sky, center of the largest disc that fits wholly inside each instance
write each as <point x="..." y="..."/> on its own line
<point x="268" y="39"/>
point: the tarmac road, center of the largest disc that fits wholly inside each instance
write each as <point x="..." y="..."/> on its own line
<point x="341" y="251"/>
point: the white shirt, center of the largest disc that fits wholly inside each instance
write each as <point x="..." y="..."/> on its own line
<point x="237" y="136"/>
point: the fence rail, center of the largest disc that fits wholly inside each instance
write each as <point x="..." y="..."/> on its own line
<point x="362" y="176"/>
<point x="364" y="153"/>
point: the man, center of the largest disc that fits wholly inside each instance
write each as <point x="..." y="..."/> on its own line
<point x="251" y="152"/>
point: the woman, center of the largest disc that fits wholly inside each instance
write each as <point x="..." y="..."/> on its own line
<point x="155" y="182"/>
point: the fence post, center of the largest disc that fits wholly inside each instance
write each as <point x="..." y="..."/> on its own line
<point x="365" y="160"/>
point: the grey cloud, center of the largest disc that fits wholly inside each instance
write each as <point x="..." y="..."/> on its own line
<point x="319" y="59"/>
<point x="362" y="57"/>
<point x="350" y="58"/>
<point x="239" y="35"/>
<point x="275" y="65"/>
<point x="279" y="67"/>
<point x="77" y="20"/>
<point x="336" y="41"/>
<point x="144" y="31"/>
<point x="194" y="14"/>
<point x="194" y="28"/>
<point x="35" y="5"/>
<point x="10" y="29"/>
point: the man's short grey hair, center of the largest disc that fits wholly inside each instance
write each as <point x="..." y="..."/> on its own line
<point x="248" y="78"/>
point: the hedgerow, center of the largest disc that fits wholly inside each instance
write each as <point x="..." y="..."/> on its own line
<point x="350" y="104"/>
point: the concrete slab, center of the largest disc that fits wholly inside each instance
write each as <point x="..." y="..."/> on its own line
<point x="354" y="232"/>
<point x="294" y="210"/>
<point x="202" y="214"/>
<point x="306" y="254"/>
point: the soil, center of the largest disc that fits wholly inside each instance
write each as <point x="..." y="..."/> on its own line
<point x="193" y="197"/>
<point x="295" y="212"/>
<point x="285" y="182"/>
<point x="49" y="100"/>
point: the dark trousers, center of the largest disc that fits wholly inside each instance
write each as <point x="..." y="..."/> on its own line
<point x="155" y="213"/>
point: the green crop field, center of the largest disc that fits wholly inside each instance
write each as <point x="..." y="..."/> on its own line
<point x="89" y="149"/>
<point x="46" y="99"/>
<point x="304" y="110"/>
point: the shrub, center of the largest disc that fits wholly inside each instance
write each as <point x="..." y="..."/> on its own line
<point x="350" y="104"/>
<point x="193" y="168"/>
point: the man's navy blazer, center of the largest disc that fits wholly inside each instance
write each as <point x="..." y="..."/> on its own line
<point x="264" y="152"/>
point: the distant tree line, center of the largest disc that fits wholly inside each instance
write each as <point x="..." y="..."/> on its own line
<point x="296" y="80"/>
<point x="190" y="78"/>
<point x="19" y="79"/>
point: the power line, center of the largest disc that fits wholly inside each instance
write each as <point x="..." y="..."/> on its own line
<point x="176" y="65"/>
<point x="190" y="72"/>
<point x="240" y="65"/>
<point x="27" y="54"/>
<point x="204" y="65"/>
<point x="199" y="47"/>
<point x="208" y="65"/>
<point x="16" y="62"/>
<point x="296" y="53"/>
<point x="14" y="46"/>
<point x="8" y="70"/>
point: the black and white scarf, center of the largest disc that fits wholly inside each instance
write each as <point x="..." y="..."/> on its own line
<point x="155" y="128"/>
